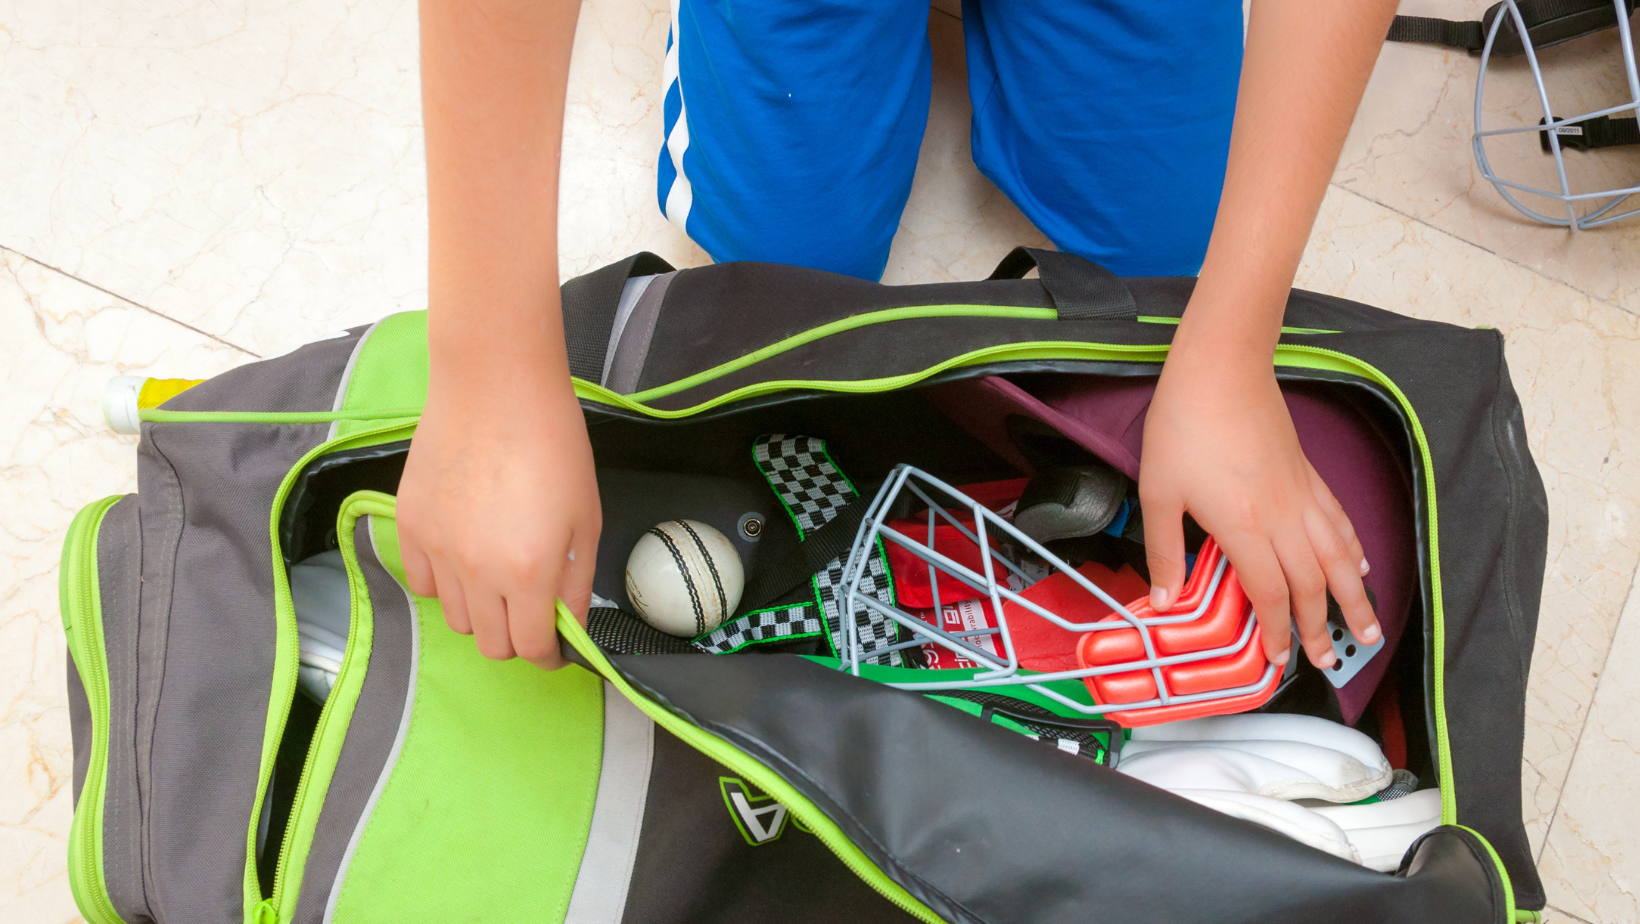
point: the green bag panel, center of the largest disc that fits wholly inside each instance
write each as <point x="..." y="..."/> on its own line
<point x="491" y="755"/>
<point x="388" y="369"/>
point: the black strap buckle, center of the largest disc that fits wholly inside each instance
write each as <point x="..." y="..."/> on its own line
<point x="1589" y="134"/>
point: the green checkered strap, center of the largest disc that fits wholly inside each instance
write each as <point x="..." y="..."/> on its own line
<point x="813" y="491"/>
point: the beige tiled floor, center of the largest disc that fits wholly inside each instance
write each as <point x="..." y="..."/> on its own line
<point x="184" y="186"/>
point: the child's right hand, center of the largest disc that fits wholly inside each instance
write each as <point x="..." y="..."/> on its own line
<point x="498" y="492"/>
<point x="498" y="510"/>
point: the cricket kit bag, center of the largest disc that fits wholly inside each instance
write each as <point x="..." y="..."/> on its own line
<point x="910" y="669"/>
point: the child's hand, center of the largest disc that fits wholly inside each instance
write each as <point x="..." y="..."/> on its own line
<point x="497" y="495"/>
<point x="1220" y="445"/>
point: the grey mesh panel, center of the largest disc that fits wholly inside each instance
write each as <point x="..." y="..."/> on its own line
<point x="79" y="727"/>
<point x="305" y="379"/>
<point x="617" y="816"/>
<point x="119" y="579"/>
<point x="370" y="732"/>
<point x="629" y="355"/>
<point x="209" y="619"/>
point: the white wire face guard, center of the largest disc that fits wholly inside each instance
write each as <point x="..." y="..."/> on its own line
<point x="1598" y="208"/>
<point x="998" y="661"/>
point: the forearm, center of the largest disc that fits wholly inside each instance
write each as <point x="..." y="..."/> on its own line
<point x="1303" y="74"/>
<point x="493" y="81"/>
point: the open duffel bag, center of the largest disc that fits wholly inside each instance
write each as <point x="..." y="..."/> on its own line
<point x="878" y="722"/>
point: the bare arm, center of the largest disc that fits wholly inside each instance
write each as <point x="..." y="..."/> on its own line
<point x="1305" y="69"/>
<point x="498" y="507"/>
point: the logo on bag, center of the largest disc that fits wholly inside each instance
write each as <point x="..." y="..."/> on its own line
<point x="759" y="817"/>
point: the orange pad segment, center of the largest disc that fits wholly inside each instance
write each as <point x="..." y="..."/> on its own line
<point x="1222" y="673"/>
<point x="1221" y="625"/>
<point x="1182" y="711"/>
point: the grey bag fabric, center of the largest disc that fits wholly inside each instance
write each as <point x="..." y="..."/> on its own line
<point x="206" y="493"/>
<point x="185" y="659"/>
<point x="119" y="572"/>
<point x="366" y="752"/>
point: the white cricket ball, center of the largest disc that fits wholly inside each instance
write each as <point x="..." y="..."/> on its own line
<point x="684" y="578"/>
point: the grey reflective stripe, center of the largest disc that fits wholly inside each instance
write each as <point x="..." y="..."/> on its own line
<point x="630" y="294"/>
<point x="392" y="756"/>
<point x="347" y="377"/>
<point x="627" y="362"/>
<point x="617" y="815"/>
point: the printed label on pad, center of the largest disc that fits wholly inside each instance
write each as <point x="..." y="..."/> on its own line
<point x="955" y="618"/>
<point x="1352" y="655"/>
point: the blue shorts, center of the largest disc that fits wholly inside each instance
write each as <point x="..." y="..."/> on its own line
<point x="792" y="126"/>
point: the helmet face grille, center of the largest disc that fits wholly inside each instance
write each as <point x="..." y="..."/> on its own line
<point x="1204" y="656"/>
<point x="1555" y="198"/>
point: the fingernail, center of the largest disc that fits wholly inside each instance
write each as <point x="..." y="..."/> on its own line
<point x="1281" y="659"/>
<point x="1365" y="567"/>
<point x="1158" y="598"/>
<point x="1327" y="659"/>
<point x="1371" y="634"/>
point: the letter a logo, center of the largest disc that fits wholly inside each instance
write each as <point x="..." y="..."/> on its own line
<point x="759" y="817"/>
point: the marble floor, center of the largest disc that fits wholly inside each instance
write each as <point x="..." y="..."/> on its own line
<point x="188" y="186"/>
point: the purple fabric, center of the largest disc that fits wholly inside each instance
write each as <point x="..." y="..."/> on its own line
<point x="1106" y="416"/>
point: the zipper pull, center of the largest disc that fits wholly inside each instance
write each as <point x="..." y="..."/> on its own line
<point x="265" y="912"/>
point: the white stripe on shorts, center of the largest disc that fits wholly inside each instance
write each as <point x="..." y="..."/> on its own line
<point x="681" y="196"/>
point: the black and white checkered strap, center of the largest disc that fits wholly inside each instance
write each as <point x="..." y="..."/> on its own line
<point x="814" y="492"/>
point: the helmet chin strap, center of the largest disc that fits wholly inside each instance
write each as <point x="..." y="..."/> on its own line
<point x="1548" y="22"/>
<point x="1591" y="134"/>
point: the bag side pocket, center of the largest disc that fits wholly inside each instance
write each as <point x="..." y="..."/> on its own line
<point x="101" y="570"/>
<point x="483" y="804"/>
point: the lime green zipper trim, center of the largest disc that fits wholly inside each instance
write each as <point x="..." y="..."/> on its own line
<point x="1514" y="914"/>
<point x="286" y="658"/>
<point x="334" y="719"/>
<point x="837" y="327"/>
<point x="81" y="603"/>
<point x="1318" y="358"/>
<point x="1164" y="319"/>
<point x="156" y="415"/>
<point x="751" y="770"/>
<point x="1045" y="349"/>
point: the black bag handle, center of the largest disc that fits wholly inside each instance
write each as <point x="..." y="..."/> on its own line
<point x="589" y="306"/>
<point x="1081" y="289"/>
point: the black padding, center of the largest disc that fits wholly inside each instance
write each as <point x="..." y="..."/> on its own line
<point x="1081" y="289"/>
<point x="589" y="304"/>
<point x="800" y="562"/>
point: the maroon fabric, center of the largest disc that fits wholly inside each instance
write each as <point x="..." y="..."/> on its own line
<point x="1106" y="416"/>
